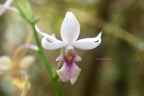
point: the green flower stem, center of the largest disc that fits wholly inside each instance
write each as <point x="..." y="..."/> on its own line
<point x="30" y="18"/>
<point x="47" y="65"/>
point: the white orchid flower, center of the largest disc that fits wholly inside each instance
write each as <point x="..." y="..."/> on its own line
<point x="70" y="31"/>
<point x="6" y="63"/>
<point x="15" y="74"/>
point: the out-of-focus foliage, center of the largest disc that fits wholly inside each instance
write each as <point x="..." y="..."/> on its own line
<point x="122" y="22"/>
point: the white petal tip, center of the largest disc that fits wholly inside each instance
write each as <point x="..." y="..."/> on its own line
<point x="100" y="34"/>
<point x="75" y="74"/>
<point x="73" y="80"/>
<point x="69" y="12"/>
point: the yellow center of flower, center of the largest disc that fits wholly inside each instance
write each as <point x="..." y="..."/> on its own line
<point x="69" y="58"/>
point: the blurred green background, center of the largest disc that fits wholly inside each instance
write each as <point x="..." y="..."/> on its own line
<point x="122" y="22"/>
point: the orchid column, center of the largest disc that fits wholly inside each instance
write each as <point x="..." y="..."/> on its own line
<point x="70" y="30"/>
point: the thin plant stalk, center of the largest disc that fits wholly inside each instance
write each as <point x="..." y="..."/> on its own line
<point x="47" y="65"/>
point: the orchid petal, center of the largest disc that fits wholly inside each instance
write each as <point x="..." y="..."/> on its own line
<point x="5" y="62"/>
<point x="6" y="7"/>
<point x="63" y="73"/>
<point x="60" y="59"/>
<point x="74" y="73"/>
<point x="52" y="45"/>
<point x="88" y="43"/>
<point x="77" y="58"/>
<point x="50" y="38"/>
<point x="27" y="61"/>
<point x="70" y="28"/>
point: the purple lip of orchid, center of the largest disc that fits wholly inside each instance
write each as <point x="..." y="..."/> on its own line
<point x="69" y="71"/>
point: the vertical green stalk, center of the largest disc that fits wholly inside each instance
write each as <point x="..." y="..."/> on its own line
<point x="47" y="65"/>
<point x="27" y="14"/>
